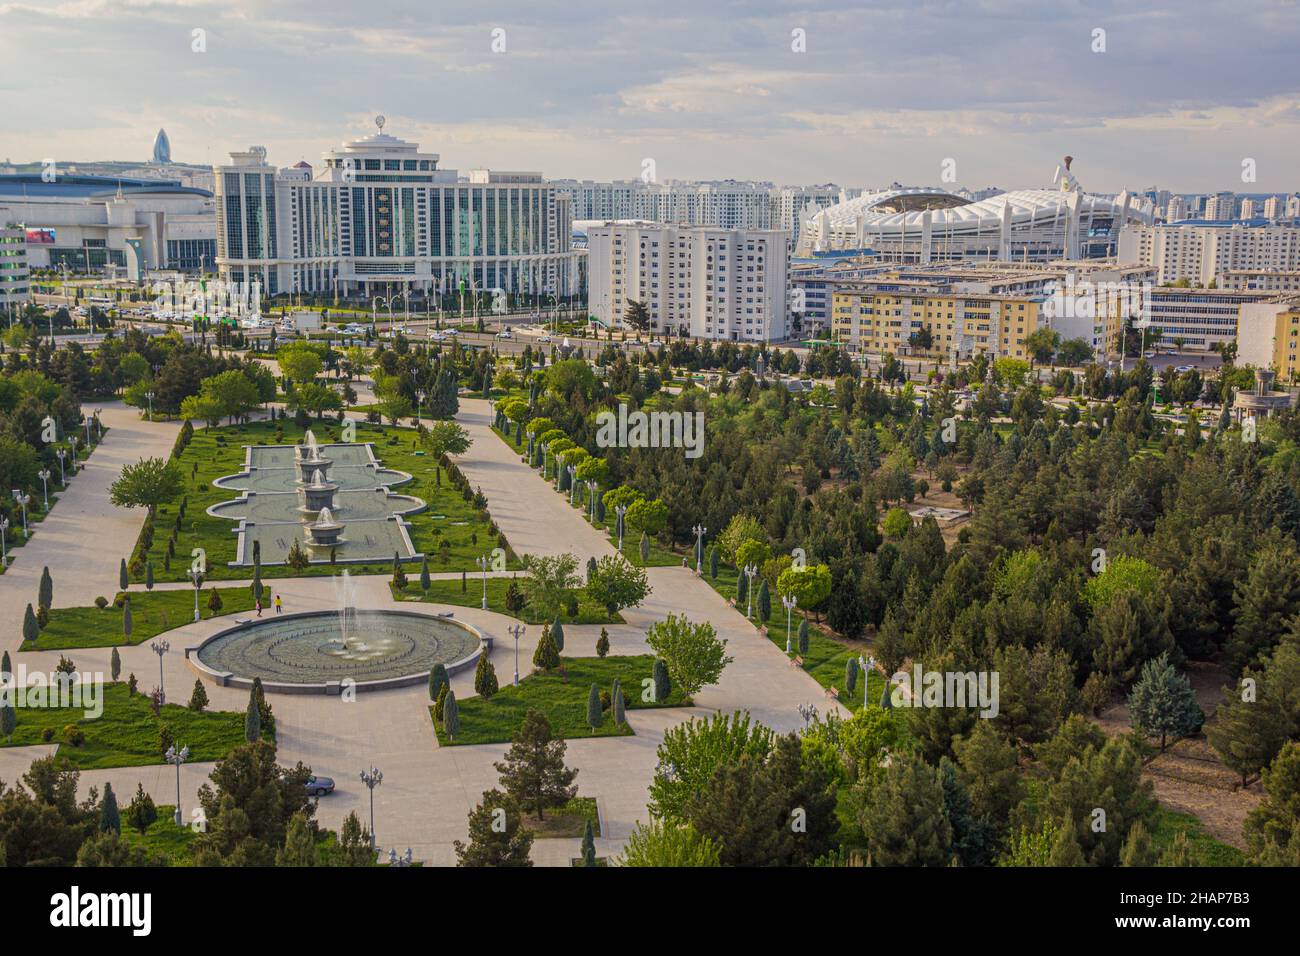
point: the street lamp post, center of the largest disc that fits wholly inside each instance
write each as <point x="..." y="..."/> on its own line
<point x="789" y="602"/>
<point x="372" y="778"/>
<point x="4" y="547"/>
<point x="546" y="448"/>
<point x="483" y="561"/>
<point x="593" y="488"/>
<point x="21" y="499"/>
<point x="620" y="510"/>
<point x="176" y="758"/>
<point x="197" y="578"/>
<point x="419" y="400"/>
<point x="573" y="487"/>
<point x="44" y="475"/>
<point x="699" y="531"/>
<point x="72" y="443"/>
<point x="749" y="571"/>
<point x="160" y="648"/>
<point x="61" y="454"/>
<point x="516" y="631"/>
<point x="868" y="664"/>
<point x="149" y="396"/>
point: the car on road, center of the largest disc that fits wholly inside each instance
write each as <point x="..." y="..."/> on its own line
<point x="504" y="334"/>
<point x="655" y="344"/>
<point x="544" y="338"/>
<point x="319" y="786"/>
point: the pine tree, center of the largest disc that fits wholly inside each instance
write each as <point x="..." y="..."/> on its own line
<point x="803" y="636"/>
<point x="1178" y="853"/>
<point x="645" y="548"/>
<point x="109" y="819"/>
<point x="616" y="703"/>
<point x="547" y="655"/>
<point x="252" y="718"/>
<point x="8" y="719"/>
<point x="425" y="583"/>
<point x="595" y="716"/>
<point x="6" y="668"/>
<point x="496" y="834"/>
<point x="905" y="822"/>
<point x="1162" y="702"/>
<point x="764" y="601"/>
<point x="557" y="635"/>
<point x="850" y="675"/>
<point x="214" y="601"/>
<point x="588" y="852"/>
<point x="148" y="575"/>
<point x="485" y="678"/>
<point x="450" y="716"/>
<point x="533" y="770"/>
<point x="713" y="562"/>
<point x="141" y="812"/>
<point x="115" y="664"/>
<point x="128" y="620"/>
<point x="45" y="591"/>
<point x="199" y="698"/>
<point x="1066" y="850"/>
<point x="123" y="582"/>
<point x="1247" y="734"/>
<point x="1138" y="849"/>
<point x="602" y="643"/>
<point x="1264" y="602"/>
<point x="440" y="701"/>
<point x="299" y="845"/>
<point x="662" y="684"/>
<point x="438" y="679"/>
<point x="742" y="588"/>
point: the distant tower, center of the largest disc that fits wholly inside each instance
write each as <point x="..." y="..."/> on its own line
<point x="162" y="149"/>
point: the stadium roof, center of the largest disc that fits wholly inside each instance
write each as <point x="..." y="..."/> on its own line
<point x="31" y="186"/>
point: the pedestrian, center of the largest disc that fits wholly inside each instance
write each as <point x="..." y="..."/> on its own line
<point x="259" y="605"/>
<point x="278" y="609"/>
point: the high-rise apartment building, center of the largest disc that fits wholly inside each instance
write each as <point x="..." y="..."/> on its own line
<point x="1199" y="253"/>
<point x="706" y="282"/>
<point x="14" y="289"/>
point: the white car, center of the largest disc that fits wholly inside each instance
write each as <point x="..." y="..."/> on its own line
<point x="504" y="334"/>
<point x="544" y="338"/>
<point x="656" y="344"/>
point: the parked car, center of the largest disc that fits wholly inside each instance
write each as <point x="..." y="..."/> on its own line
<point x="319" y="786"/>
<point x="504" y="334"/>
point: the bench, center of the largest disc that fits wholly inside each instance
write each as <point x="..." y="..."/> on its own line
<point x="833" y="693"/>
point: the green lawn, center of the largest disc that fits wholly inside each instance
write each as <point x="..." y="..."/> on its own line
<point x="163" y="837"/>
<point x="452" y="542"/>
<point x="152" y="612"/>
<point x="827" y="658"/>
<point x="1205" y="850"/>
<point x="560" y="694"/>
<point x="126" y="733"/>
<point x="449" y="592"/>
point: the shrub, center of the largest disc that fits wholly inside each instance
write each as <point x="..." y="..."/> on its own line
<point x="101" y="602"/>
<point x="74" y="735"/>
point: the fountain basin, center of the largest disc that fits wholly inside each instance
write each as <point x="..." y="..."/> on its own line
<point x="308" y="653"/>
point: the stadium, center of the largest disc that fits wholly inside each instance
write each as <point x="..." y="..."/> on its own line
<point x="923" y="224"/>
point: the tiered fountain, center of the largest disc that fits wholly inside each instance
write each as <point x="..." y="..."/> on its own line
<point x="318" y="495"/>
<point x="324" y="532"/>
<point x="309" y="460"/>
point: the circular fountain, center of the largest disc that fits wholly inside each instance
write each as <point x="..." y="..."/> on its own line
<point x="320" y="651"/>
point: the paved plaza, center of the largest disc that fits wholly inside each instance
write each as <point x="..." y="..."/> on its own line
<point x="427" y="790"/>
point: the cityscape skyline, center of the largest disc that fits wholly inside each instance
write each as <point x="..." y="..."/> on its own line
<point x="724" y="96"/>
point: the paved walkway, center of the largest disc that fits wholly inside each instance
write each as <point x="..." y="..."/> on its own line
<point x="428" y="790"/>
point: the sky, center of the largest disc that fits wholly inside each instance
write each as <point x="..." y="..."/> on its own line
<point x="1191" y="96"/>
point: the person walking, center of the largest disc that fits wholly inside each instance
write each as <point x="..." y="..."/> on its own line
<point x="278" y="608"/>
<point x="259" y="605"/>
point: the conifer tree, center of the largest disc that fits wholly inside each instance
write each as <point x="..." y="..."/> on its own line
<point x="438" y="679"/>
<point x="496" y="834"/>
<point x="450" y="716"/>
<point x="850" y="675"/>
<point x="31" y="630"/>
<point x="1066" y="850"/>
<point x="123" y="582"/>
<point x="109" y="819"/>
<point x="299" y="848"/>
<point x="1162" y="702"/>
<point x="485" y="678"/>
<point x="425" y="583"/>
<point x="115" y="664"/>
<point x="588" y="852"/>
<point x="1138" y="849"/>
<point x="764" y="601"/>
<point x="557" y="635"/>
<point x="199" y="698"/>
<point x="616" y="703"/>
<point x="803" y="636"/>
<point x="662" y="683"/>
<point x="547" y="655"/>
<point x="533" y="770"/>
<point x="45" y="591"/>
<point x="594" y="714"/>
<point x="602" y="643"/>
<point x="252" y="718"/>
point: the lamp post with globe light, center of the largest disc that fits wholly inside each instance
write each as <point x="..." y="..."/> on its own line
<point x="516" y="631"/>
<point x="789" y="602"/>
<point x="750" y="570"/>
<point x="44" y="475"/>
<point x="176" y="758"/>
<point x="160" y="648"/>
<point x="700" y="531"/>
<point x="484" y="562"/>
<point x="372" y="778"/>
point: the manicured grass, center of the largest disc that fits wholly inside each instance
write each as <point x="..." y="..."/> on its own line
<point x="561" y="694"/>
<point x="449" y="592"/>
<point x="827" y="658"/>
<point x="569" y="820"/>
<point x="152" y="612"/>
<point x="452" y="542"/>
<point x="1205" y="850"/>
<point x="126" y="733"/>
<point x="163" y="837"/>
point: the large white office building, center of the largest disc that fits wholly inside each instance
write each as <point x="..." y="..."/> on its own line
<point x="1200" y="253"/>
<point x="706" y="282"/>
<point x="381" y="218"/>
